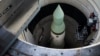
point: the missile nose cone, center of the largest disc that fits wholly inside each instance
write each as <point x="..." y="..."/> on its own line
<point x="58" y="15"/>
<point x="58" y="25"/>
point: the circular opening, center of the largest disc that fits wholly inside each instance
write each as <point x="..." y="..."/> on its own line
<point x="77" y="30"/>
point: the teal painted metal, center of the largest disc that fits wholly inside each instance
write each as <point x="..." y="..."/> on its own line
<point x="58" y="25"/>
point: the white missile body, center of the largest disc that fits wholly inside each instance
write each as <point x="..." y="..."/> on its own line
<point x="58" y="40"/>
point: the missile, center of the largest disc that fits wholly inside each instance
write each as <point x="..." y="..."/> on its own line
<point x="58" y="28"/>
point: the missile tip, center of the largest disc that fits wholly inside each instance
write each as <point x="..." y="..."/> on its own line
<point x="58" y="25"/>
<point x="58" y="13"/>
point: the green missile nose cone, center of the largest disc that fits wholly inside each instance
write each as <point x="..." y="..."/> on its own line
<point x="58" y="25"/>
